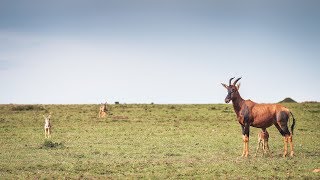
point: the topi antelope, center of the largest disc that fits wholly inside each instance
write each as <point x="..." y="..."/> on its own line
<point x="47" y="126"/>
<point x="263" y="138"/>
<point x="261" y="116"/>
<point x="103" y="110"/>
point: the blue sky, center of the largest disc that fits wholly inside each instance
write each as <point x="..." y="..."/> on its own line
<point x="81" y="51"/>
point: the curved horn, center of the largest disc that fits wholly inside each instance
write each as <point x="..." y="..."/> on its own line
<point x="235" y="82"/>
<point x="230" y="81"/>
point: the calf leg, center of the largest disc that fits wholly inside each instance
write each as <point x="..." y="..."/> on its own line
<point x="267" y="148"/>
<point x="265" y="140"/>
<point x="259" y="144"/>
<point x="264" y="146"/>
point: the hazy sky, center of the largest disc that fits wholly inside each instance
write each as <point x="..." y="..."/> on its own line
<point x="161" y="51"/>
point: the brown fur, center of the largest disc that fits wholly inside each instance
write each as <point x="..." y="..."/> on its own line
<point x="103" y="110"/>
<point x="261" y="116"/>
<point x="263" y="139"/>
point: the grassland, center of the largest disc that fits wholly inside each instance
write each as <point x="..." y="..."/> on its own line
<point x="149" y="141"/>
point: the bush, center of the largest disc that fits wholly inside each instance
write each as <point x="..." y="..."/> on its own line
<point x="47" y="144"/>
<point x="27" y="108"/>
<point x="212" y="108"/>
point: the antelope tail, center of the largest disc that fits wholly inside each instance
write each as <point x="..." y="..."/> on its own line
<point x="293" y="122"/>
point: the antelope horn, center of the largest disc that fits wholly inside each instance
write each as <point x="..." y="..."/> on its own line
<point x="230" y="81"/>
<point x="235" y="82"/>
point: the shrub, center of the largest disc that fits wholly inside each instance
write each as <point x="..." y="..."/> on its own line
<point x="212" y="108"/>
<point x="47" y="144"/>
<point x="27" y="108"/>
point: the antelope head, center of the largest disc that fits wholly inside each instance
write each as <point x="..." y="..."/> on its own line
<point x="47" y="118"/>
<point x="232" y="90"/>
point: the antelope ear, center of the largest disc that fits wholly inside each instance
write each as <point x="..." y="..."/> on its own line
<point x="224" y="85"/>
<point x="238" y="86"/>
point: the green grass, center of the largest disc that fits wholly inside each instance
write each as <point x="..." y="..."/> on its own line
<point x="149" y="141"/>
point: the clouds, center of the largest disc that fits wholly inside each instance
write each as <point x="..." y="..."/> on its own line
<point x="292" y="21"/>
<point x="73" y="71"/>
<point x="152" y="15"/>
<point x="159" y="51"/>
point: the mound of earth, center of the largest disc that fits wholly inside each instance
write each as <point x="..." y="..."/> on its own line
<point x="288" y="100"/>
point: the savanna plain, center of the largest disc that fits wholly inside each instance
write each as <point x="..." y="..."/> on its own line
<point x="150" y="141"/>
